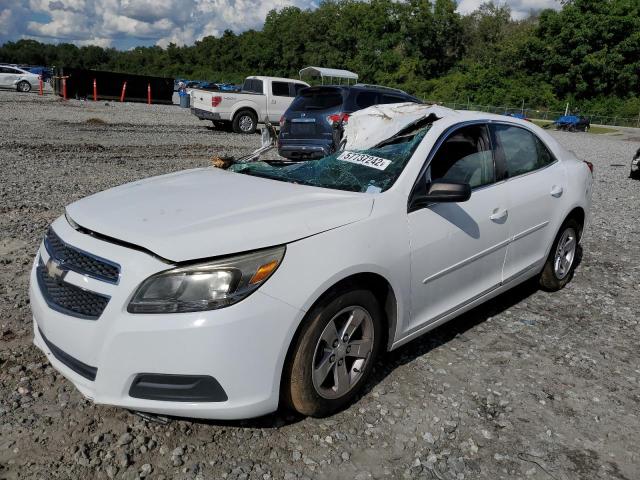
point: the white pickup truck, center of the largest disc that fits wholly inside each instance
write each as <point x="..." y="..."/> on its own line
<point x="260" y="98"/>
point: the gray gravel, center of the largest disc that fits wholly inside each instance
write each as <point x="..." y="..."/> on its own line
<point x="532" y="385"/>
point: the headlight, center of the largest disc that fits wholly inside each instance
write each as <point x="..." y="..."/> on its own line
<point x="206" y="286"/>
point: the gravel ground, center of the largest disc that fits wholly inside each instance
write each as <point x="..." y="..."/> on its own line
<point x="531" y="385"/>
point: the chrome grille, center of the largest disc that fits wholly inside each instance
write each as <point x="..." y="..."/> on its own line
<point x="69" y="299"/>
<point x="79" y="261"/>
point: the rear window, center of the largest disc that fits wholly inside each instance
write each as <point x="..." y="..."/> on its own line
<point x="317" y="99"/>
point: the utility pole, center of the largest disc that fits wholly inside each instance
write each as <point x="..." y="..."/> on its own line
<point x="566" y="110"/>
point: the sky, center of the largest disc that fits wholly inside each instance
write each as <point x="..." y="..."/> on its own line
<point x="124" y="24"/>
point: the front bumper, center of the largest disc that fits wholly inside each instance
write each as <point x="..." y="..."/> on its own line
<point x="241" y="347"/>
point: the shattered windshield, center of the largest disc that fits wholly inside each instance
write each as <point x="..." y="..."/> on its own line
<point x="373" y="170"/>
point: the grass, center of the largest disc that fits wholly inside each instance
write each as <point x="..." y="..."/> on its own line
<point x="593" y="129"/>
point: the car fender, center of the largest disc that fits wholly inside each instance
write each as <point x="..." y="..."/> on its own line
<point x="345" y="251"/>
<point x="248" y="105"/>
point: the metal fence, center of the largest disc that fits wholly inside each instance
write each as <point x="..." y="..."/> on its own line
<point x="541" y="114"/>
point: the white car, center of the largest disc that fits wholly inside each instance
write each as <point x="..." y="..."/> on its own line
<point x="18" y="78"/>
<point x="223" y="293"/>
<point x="261" y="98"/>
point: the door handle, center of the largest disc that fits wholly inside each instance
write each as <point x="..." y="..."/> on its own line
<point x="556" y="191"/>
<point x="273" y="101"/>
<point x="499" y="214"/>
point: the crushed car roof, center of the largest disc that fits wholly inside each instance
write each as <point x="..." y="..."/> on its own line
<point x="369" y="127"/>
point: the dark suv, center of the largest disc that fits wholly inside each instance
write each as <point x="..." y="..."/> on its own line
<point x="306" y="128"/>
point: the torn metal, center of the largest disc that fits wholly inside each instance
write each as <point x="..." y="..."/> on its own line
<point x="268" y="142"/>
<point x="374" y="125"/>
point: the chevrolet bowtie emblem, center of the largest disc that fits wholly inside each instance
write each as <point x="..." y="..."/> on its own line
<point x="55" y="270"/>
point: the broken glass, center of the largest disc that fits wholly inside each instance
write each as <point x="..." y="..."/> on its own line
<point x="372" y="170"/>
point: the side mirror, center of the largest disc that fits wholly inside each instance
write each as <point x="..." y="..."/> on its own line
<point x="441" y="192"/>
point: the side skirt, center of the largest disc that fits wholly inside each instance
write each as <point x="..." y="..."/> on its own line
<point x="507" y="284"/>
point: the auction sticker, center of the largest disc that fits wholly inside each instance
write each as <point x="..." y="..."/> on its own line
<point x="364" y="159"/>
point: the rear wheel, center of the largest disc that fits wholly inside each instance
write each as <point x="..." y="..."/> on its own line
<point x="245" y="121"/>
<point x="334" y="354"/>
<point x="23" y="86"/>
<point x="558" y="269"/>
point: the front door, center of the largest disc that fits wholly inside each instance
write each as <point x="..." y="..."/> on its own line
<point x="458" y="249"/>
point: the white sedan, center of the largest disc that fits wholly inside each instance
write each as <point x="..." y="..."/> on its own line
<point x="226" y="293"/>
<point x="18" y="78"/>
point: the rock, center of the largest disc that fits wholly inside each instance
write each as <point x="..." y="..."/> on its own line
<point x="122" y="459"/>
<point x="124" y="439"/>
<point x="145" y="470"/>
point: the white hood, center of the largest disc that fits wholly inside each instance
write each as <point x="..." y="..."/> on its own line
<point x="369" y="127"/>
<point x="209" y="212"/>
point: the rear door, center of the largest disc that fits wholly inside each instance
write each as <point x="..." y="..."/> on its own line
<point x="535" y="184"/>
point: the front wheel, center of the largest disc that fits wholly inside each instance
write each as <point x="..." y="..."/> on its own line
<point x="23" y="86"/>
<point x="558" y="269"/>
<point x="334" y="353"/>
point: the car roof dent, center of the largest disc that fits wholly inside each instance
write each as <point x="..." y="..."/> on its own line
<point x="373" y="125"/>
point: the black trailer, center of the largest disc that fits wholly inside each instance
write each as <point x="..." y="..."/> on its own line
<point x="79" y="84"/>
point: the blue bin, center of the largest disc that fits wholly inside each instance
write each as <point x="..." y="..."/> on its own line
<point x="185" y="99"/>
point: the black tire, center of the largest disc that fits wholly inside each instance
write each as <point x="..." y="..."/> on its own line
<point x="549" y="279"/>
<point x="23" y="86"/>
<point x="241" y="122"/>
<point x="298" y="390"/>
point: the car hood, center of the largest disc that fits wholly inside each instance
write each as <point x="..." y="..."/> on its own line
<point x="209" y="212"/>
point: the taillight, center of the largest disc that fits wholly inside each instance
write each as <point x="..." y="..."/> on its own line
<point x="590" y="165"/>
<point x="338" y="117"/>
<point x="282" y="121"/>
<point x="215" y="101"/>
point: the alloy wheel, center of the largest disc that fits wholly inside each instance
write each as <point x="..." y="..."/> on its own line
<point x="342" y="352"/>
<point x="246" y="123"/>
<point x="565" y="253"/>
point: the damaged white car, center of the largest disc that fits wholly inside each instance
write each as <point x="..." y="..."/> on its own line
<point x="224" y="293"/>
